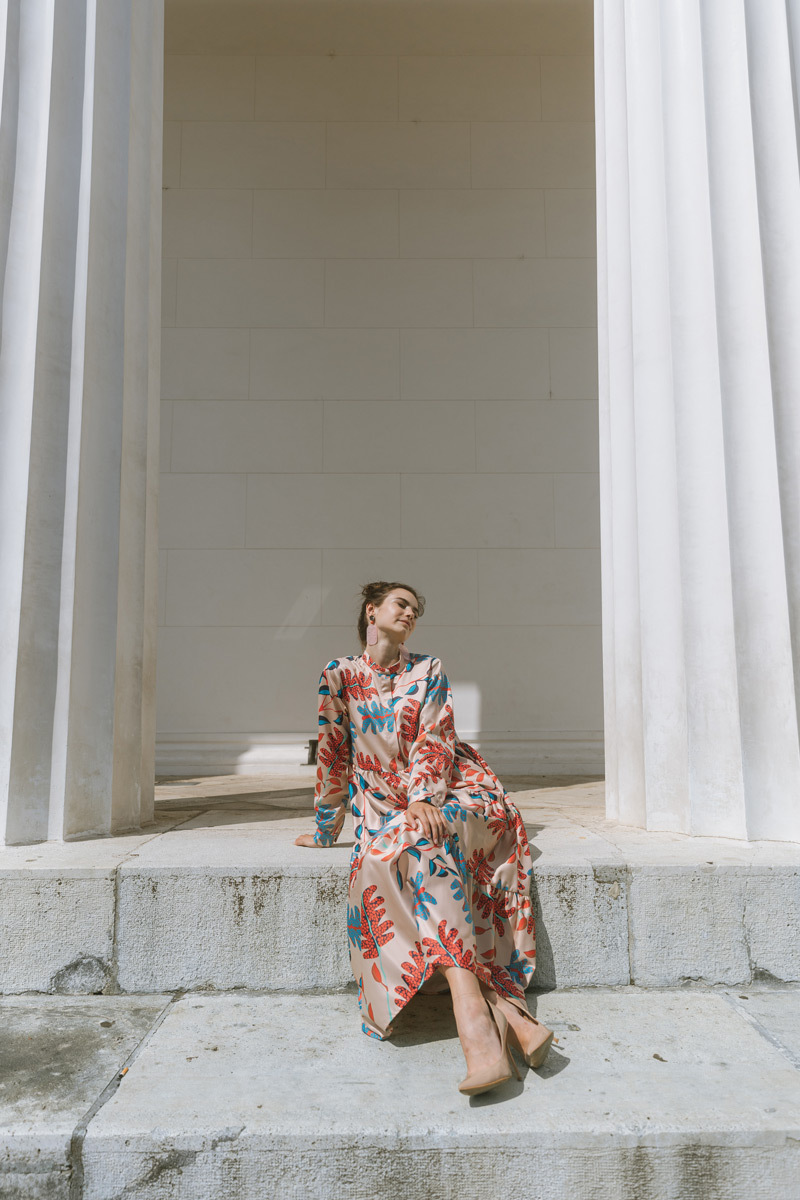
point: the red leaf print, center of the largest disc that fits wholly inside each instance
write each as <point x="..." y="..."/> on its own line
<point x="357" y="685"/>
<point x="365" y="762"/>
<point x="333" y="750"/>
<point x="433" y="758"/>
<point x="413" y="974"/>
<point x="375" y="932"/>
<point x="494" y="907"/>
<point x="451" y="943"/>
<point x="409" y="721"/>
<point x="377" y="975"/>
<point x="480" y="868"/>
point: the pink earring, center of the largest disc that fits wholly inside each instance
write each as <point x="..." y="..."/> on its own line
<point x="372" y="633"/>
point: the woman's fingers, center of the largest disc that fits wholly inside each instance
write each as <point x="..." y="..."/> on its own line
<point x="432" y="825"/>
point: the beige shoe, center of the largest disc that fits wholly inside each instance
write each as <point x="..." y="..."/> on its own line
<point x="535" y="1045"/>
<point x="499" y="1071"/>
<point x="535" y="1048"/>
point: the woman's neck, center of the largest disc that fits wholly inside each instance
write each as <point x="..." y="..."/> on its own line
<point x="384" y="652"/>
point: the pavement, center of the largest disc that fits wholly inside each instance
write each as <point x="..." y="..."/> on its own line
<point x="676" y="1094"/>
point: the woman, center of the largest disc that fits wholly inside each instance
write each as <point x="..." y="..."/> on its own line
<point x="440" y="871"/>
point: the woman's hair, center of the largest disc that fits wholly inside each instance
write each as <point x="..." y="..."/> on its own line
<point x="376" y="593"/>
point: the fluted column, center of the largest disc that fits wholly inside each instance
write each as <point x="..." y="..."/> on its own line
<point x="80" y="182"/>
<point x="699" y="285"/>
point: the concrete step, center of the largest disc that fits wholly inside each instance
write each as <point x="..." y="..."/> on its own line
<point x="216" y="895"/>
<point x="689" y="1094"/>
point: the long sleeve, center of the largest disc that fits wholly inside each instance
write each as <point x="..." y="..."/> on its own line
<point x="432" y="753"/>
<point x="333" y="761"/>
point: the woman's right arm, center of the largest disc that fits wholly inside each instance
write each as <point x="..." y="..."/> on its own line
<point x="333" y="761"/>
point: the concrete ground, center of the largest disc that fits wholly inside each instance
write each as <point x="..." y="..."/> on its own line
<point x="681" y="1094"/>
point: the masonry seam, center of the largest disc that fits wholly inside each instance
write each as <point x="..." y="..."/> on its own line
<point x="75" y="1153"/>
<point x="754" y="1022"/>
<point x="629" y="919"/>
<point x="113" y="988"/>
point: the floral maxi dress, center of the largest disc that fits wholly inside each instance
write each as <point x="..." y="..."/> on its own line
<point x="387" y="738"/>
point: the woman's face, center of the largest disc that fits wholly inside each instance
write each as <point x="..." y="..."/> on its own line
<point x="397" y="614"/>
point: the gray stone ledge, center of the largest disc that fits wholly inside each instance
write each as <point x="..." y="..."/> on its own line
<point x="223" y="899"/>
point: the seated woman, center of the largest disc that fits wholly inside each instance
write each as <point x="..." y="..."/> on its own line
<point x="440" y="871"/>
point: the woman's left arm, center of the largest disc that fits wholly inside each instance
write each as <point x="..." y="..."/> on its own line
<point x="433" y="751"/>
<point x="333" y="762"/>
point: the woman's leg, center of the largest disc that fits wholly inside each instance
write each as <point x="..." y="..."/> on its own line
<point x="476" y="1029"/>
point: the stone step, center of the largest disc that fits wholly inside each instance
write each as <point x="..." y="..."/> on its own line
<point x="689" y="1094"/>
<point x="218" y="896"/>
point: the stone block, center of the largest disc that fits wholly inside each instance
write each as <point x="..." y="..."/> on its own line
<point x="539" y="587"/>
<point x="398" y="292"/>
<point x="202" y="509"/>
<point x="482" y="510"/>
<point x="547" y="292"/>
<point x="481" y="87"/>
<point x="325" y="364"/>
<point x="533" y="154"/>
<point x="474" y="364"/>
<point x="263" y="929"/>
<point x="567" y="87"/>
<point x="323" y="510"/>
<point x="571" y="222"/>
<point x="577" y="510"/>
<point x="687" y="925"/>
<point x="573" y="364"/>
<point x="581" y="927"/>
<point x="399" y="154"/>
<point x="247" y="435"/>
<point x="325" y="87"/>
<point x="537" y="435"/>
<point x="56" y="930"/>
<point x="442" y="433"/>
<point x="253" y="154"/>
<point x="208" y="87"/>
<point x="238" y="293"/>
<point x="325" y="223"/>
<point x="491" y="223"/>
<point x="243" y="587"/>
<point x="654" y="1095"/>
<point x="56" y="1057"/>
<point x="205" y="364"/>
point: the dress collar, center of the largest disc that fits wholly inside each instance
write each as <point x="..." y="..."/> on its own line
<point x="399" y="664"/>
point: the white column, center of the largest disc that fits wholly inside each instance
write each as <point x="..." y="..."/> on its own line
<point x="699" y="283"/>
<point x="80" y="183"/>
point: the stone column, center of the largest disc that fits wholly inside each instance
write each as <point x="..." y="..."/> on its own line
<point x="80" y="204"/>
<point x="699" y="285"/>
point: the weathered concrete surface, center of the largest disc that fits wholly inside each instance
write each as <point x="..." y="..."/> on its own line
<point x="57" y="911"/>
<point x="57" y="1054"/>
<point x="669" y="1095"/>
<point x="220" y="897"/>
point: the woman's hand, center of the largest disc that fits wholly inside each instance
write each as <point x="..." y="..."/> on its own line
<point x="429" y="819"/>
<point x="305" y="839"/>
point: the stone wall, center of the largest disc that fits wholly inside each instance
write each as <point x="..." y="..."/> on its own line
<point x="379" y="361"/>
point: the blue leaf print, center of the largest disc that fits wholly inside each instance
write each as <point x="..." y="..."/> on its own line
<point x="421" y="898"/>
<point x="326" y="823"/>
<point x="438" y="688"/>
<point x="375" y="717"/>
<point x="458" y="894"/>
<point x="354" y="925"/>
<point x="518" y="968"/>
